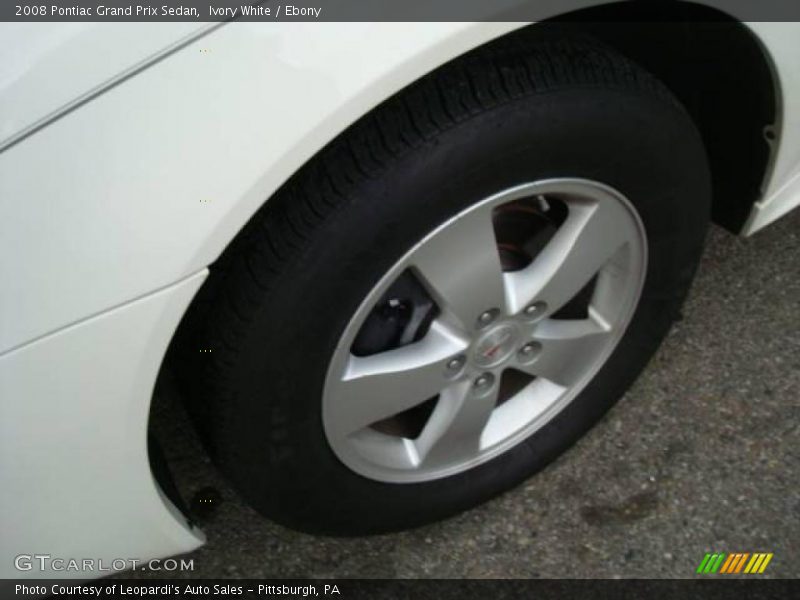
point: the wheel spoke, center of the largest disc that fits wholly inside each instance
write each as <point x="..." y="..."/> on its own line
<point x="461" y="265"/>
<point x="592" y="233"/>
<point x="385" y="384"/>
<point x="568" y="349"/>
<point x="454" y="429"/>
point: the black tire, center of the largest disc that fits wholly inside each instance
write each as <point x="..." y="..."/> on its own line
<point x="283" y="293"/>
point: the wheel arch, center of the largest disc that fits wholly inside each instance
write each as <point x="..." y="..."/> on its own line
<point x="722" y="73"/>
<point x="735" y="138"/>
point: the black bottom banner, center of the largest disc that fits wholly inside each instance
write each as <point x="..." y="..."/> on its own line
<point x="433" y="589"/>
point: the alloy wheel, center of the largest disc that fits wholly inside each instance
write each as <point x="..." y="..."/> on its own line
<point x="484" y="330"/>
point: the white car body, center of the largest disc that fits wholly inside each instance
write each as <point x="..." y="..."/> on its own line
<point x="130" y="156"/>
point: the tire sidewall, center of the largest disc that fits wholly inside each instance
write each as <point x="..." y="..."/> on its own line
<point x="645" y="147"/>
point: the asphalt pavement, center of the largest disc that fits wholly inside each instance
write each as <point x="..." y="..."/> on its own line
<point x="702" y="455"/>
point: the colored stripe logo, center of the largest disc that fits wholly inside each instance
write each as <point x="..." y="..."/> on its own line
<point x="738" y="562"/>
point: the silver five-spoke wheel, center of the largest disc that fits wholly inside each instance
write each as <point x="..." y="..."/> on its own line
<point x="524" y="296"/>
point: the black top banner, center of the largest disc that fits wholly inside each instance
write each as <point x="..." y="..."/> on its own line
<point x="381" y="10"/>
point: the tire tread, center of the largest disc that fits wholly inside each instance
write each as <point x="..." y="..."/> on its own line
<point x="260" y="258"/>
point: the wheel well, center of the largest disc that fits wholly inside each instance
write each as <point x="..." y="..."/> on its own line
<point x="713" y="64"/>
<point x="721" y="73"/>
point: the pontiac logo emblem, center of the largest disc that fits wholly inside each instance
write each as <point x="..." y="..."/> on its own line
<point x="495" y="346"/>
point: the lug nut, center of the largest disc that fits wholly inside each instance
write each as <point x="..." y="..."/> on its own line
<point x="530" y="351"/>
<point x="535" y="310"/>
<point x="484" y="381"/>
<point x="455" y="364"/>
<point x="487" y="317"/>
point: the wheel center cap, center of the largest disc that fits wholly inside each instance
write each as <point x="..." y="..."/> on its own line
<point x="495" y="346"/>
